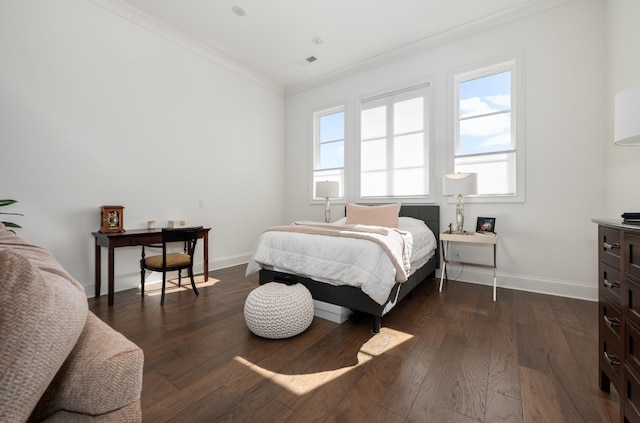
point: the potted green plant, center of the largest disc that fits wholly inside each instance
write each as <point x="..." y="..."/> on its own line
<point x="10" y="224"/>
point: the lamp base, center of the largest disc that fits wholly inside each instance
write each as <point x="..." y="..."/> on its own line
<point x="460" y="215"/>
<point x="327" y="211"/>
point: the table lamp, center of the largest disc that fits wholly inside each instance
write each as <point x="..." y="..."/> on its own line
<point x="627" y="121"/>
<point x="326" y="190"/>
<point x="460" y="184"/>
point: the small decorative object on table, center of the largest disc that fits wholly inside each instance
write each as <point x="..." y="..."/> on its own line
<point x="179" y="223"/>
<point x="486" y="224"/>
<point x="112" y="219"/>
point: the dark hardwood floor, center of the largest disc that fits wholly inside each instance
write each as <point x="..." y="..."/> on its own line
<point x="455" y="356"/>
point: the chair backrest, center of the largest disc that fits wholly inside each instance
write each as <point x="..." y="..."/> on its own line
<point x="187" y="235"/>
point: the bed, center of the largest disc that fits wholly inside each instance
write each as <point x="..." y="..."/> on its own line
<point x="353" y="297"/>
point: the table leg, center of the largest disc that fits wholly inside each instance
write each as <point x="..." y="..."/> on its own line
<point x="111" y="276"/>
<point x="494" y="272"/>
<point x="494" y="284"/>
<point x="98" y="268"/>
<point x="206" y="255"/>
<point x="444" y="265"/>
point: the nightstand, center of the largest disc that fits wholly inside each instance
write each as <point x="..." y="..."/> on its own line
<point x="473" y="238"/>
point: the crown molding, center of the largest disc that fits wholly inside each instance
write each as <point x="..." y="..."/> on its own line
<point x="137" y="17"/>
<point x="429" y="43"/>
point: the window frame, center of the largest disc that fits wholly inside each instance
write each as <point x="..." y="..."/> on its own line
<point x="356" y="166"/>
<point x="514" y="63"/>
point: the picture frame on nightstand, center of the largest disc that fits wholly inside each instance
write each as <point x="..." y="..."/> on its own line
<point x="486" y="224"/>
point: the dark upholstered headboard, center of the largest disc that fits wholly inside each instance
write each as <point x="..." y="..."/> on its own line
<point x="430" y="214"/>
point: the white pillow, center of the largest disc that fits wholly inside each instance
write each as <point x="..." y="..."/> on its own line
<point x="410" y="222"/>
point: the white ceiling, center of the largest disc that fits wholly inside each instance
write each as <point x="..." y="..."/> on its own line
<point x="274" y="37"/>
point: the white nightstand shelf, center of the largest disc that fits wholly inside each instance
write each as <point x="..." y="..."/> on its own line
<point x="474" y="238"/>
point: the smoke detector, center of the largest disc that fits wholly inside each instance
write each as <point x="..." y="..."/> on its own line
<point x="239" y="10"/>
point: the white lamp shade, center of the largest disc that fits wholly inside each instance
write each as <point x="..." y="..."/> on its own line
<point x="460" y="184"/>
<point x="627" y="117"/>
<point x="327" y="189"/>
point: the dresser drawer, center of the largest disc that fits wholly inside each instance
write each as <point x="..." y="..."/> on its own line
<point x="631" y="301"/>
<point x="609" y="246"/>
<point x="611" y="354"/>
<point x="610" y="320"/>
<point x="631" y="397"/>
<point x="610" y="284"/>
<point x="632" y="256"/>
<point x="632" y="347"/>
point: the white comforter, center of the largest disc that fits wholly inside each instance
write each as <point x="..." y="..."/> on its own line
<point x="342" y="261"/>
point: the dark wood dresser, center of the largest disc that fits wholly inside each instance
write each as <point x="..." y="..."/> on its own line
<point x="619" y="313"/>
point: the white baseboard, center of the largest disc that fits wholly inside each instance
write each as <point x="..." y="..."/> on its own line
<point x="561" y="288"/>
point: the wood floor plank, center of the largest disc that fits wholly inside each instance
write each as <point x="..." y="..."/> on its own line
<point x="382" y="415"/>
<point x="608" y="410"/>
<point x="504" y="371"/>
<point x="469" y="394"/>
<point x="531" y="347"/>
<point x="434" y="397"/>
<point x="403" y="387"/>
<point x="539" y="397"/>
<point x="502" y="408"/>
<point x="566" y="367"/>
<point x="380" y="366"/>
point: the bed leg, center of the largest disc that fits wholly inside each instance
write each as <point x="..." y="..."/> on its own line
<point x="377" y="324"/>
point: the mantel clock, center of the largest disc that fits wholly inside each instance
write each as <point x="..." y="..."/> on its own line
<point x="112" y="219"/>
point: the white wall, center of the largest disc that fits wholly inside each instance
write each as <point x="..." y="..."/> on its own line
<point x="547" y="244"/>
<point x="623" y="163"/>
<point x="100" y="107"/>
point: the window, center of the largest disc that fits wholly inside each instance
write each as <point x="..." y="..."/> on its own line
<point x="394" y="147"/>
<point x="485" y="129"/>
<point x="328" y="154"/>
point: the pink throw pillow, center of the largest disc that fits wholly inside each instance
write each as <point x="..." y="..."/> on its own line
<point x="386" y="215"/>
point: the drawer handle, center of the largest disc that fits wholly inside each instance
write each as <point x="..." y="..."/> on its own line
<point x="610" y="285"/>
<point x="608" y="246"/>
<point x="611" y="359"/>
<point x="611" y="322"/>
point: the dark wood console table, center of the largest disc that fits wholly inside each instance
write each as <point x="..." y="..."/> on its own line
<point x="131" y="238"/>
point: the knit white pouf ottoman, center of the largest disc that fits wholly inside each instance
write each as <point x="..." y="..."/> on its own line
<point x="276" y="310"/>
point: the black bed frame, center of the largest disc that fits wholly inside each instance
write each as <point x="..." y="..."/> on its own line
<point x="352" y="297"/>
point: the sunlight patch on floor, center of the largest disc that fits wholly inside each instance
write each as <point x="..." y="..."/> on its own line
<point x="302" y="384"/>
<point x="155" y="288"/>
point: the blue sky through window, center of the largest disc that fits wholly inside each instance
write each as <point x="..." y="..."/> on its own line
<point x="332" y="127"/>
<point x="332" y="141"/>
<point x="485" y="114"/>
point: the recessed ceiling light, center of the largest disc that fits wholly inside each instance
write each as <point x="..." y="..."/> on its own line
<point x="317" y="40"/>
<point x="239" y="10"/>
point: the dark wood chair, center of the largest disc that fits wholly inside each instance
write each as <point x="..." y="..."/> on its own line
<point x="168" y="262"/>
